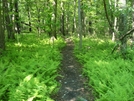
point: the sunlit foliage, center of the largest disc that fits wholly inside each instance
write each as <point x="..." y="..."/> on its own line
<point x="28" y="69"/>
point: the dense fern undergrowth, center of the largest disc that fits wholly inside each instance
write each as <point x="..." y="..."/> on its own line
<point x="28" y="69"/>
<point x="111" y="77"/>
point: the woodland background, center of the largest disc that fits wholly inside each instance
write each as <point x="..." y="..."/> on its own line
<point x="34" y="30"/>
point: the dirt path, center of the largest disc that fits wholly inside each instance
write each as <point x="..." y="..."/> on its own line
<point x="72" y="83"/>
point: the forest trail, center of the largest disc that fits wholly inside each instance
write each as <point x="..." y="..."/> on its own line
<point x="72" y="84"/>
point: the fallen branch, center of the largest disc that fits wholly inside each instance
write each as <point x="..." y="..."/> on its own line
<point x="115" y="47"/>
<point x="122" y="38"/>
<point x="128" y="33"/>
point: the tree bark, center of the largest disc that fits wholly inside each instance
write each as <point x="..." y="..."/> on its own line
<point x="67" y="18"/>
<point x="115" y="22"/>
<point x="62" y="19"/>
<point x="74" y="17"/>
<point x="123" y="27"/>
<point x="8" y="22"/>
<point x="17" y="19"/>
<point x="80" y="25"/>
<point x="55" y="19"/>
<point x="29" y="19"/>
<point x="49" y="16"/>
<point x="83" y="21"/>
<point x="133" y="19"/>
<point x="2" y="35"/>
<point x="105" y="8"/>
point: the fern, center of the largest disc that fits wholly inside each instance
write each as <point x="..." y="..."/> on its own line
<point x="28" y="70"/>
<point x="111" y="78"/>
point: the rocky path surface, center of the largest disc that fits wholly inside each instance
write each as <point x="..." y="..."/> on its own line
<point x="73" y="84"/>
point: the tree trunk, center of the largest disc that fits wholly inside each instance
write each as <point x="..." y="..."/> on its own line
<point x="2" y="35"/>
<point x="17" y="20"/>
<point x="38" y="26"/>
<point x="74" y="17"/>
<point x="80" y="25"/>
<point x="39" y="22"/>
<point x="115" y="22"/>
<point x="29" y="19"/>
<point x="133" y="19"/>
<point x="62" y="19"/>
<point x="67" y="19"/>
<point x="83" y="21"/>
<point x="55" y="18"/>
<point x="8" y="22"/>
<point x="49" y="16"/>
<point x="123" y="26"/>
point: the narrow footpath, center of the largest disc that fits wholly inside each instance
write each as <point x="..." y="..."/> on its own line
<point x="73" y="84"/>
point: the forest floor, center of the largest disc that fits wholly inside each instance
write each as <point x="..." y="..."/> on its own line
<point x="73" y="85"/>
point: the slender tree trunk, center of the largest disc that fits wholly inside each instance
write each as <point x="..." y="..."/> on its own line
<point x="113" y="33"/>
<point x="49" y="19"/>
<point x="62" y="19"/>
<point x="80" y="25"/>
<point x="90" y="29"/>
<point x="8" y="21"/>
<point x="115" y="22"/>
<point x="112" y="21"/>
<point x="2" y="35"/>
<point x="29" y="19"/>
<point x="74" y="17"/>
<point x="83" y="20"/>
<point x="39" y="21"/>
<point x="50" y="26"/>
<point x="28" y="10"/>
<point x="89" y="24"/>
<point x="133" y="17"/>
<point x="67" y="19"/>
<point x="107" y="16"/>
<point x="123" y="26"/>
<point x="55" y="18"/>
<point x="17" y="19"/>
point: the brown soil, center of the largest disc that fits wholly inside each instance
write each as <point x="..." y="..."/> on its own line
<point x="73" y="84"/>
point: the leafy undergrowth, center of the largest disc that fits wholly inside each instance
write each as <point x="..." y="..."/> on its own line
<point x="111" y="76"/>
<point x="28" y="69"/>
